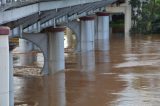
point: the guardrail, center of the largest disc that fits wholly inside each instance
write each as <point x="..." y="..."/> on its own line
<point x="5" y="4"/>
<point x="10" y="2"/>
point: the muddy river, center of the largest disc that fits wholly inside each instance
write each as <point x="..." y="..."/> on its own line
<point x="127" y="74"/>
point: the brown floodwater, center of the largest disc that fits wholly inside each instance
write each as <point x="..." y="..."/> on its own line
<point x="127" y="74"/>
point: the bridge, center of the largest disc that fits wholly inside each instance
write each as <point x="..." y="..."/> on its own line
<point x="40" y="14"/>
<point x="43" y="22"/>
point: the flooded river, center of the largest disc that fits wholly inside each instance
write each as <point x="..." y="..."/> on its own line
<point x="127" y="74"/>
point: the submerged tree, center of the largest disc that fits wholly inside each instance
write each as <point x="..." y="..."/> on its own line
<point x="135" y="11"/>
<point x="145" y="15"/>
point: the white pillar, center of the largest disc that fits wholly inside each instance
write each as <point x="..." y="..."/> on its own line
<point x="127" y="17"/>
<point x="25" y="50"/>
<point x="11" y="94"/>
<point x="56" y="49"/>
<point x="4" y="66"/>
<point x="102" y="41"/>
<point x="87" y="34"/>
<point x="103" y="25"/>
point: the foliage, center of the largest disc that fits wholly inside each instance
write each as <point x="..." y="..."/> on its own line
<point x="118" y="23"/>
<point x="145" y="16"/>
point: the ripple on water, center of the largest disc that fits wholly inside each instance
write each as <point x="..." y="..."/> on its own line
<point x="135" y="64"/>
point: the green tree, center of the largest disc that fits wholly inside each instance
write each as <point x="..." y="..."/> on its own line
<point x="144" y="15"/>
<point x="135" y="4"/>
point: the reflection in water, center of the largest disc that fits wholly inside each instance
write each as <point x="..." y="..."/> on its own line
<point x="40" y="91"/>
<point x="128" y="43"/>
<point x="102" y="44"/>
<point x="87" y="61"/>
<point x="141" y="89"/>
<point x="125" y="75"/>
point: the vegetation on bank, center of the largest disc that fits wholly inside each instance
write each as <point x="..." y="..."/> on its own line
<point x="117" y="20"/>
<point x="117" y="23"/>
<point x="145" y="16"/>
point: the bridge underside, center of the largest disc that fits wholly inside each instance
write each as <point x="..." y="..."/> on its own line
<point x="44" y="18"/>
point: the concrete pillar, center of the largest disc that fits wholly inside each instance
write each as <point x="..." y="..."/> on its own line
<point x="56" y="49"/>
<point x="87" y="33"/>
<point x="127" y="17"/>
<point x="26" y="57"/>
<point x="4" y="66"/>
<point x="11" y="89"/>
<point x="102" y="41"/>
<point x="103" y="25"/>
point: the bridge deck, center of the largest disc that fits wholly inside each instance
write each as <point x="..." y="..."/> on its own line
<point x="24" y="14"/>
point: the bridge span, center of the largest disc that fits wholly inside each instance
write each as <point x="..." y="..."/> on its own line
<point x="37" y="15"/>
<point x="43" y="23"/>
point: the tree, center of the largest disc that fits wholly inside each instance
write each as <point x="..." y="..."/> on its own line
<point x="144" y="15"/>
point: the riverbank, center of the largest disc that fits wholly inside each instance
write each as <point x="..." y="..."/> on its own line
<point x="27" y="71"/>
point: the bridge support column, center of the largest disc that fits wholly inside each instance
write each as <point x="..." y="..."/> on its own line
<point x="11" y="89"/>
<point x="56" y="49"/>
<point x="102" y="40"/>
<point x="4" y="66"/>
<point x="87" y="33"/>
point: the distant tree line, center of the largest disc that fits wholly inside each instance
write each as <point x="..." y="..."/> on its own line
<point x="145" y="16"/>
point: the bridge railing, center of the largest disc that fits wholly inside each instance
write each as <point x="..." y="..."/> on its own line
<point x="9" y="2"/>
<point x="4" y="4"/>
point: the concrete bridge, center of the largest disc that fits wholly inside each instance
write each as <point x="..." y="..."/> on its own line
<point x="122" y="6"/>
<point x="40" y="14"/>
<point x="43" y="23"/>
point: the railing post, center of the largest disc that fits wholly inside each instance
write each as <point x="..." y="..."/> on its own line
<point x="3" y="2"/>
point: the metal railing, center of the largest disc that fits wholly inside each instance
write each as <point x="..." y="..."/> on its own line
<point x="5" y="4"/>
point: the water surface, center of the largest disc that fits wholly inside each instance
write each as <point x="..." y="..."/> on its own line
<point x="127" y="74"/>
